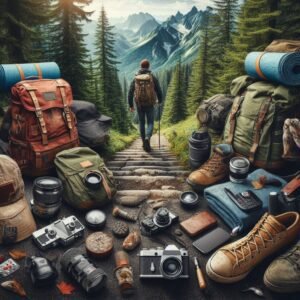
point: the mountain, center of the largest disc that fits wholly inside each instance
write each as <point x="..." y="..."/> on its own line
<point x="135" y="21"/>
<point x="147" y="27"/>
<point x="176" y="38"/>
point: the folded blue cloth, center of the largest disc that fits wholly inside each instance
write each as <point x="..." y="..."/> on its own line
<point x="231" y="214"/>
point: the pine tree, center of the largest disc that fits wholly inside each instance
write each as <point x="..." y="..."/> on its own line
<point x="223" y="28"/>
<point x="69" y="50"/>
<point x="19" y="23"/>
<point x="110" y="91"/>
<point x="289" y="19"/>
<point x="200" y="79"/>
<point x="257" y="27"/>
<point x="175" y="105"/>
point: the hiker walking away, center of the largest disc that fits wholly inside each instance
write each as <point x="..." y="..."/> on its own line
<point x="145" y="89"/>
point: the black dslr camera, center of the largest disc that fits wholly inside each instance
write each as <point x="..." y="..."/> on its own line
<point x="168" y="263"/>
<point x="162" y="219"/>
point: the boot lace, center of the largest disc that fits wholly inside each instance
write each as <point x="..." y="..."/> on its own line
<point x="213" y="164"/>
<point x="294" y="256"/>
<point x="242" y="250"/>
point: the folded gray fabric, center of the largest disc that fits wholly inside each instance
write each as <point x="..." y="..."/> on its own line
<point x="232" y="215"/>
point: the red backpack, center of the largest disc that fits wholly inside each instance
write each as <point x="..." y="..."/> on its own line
<point x="42" y="124"/>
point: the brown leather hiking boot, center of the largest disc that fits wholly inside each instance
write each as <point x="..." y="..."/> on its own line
<point x="214" y="170"/>
<point x="233" y="262"/>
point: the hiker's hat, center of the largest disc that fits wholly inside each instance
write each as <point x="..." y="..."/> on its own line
<point x="14" y="209"/>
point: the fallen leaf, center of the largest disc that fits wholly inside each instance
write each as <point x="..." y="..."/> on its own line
<point x="65" y="288"/>
<point x="14" y="286"/>
<point x="260" y="183"/>
<point x="17" y="254"/>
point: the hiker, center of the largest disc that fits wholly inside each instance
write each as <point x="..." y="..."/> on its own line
<point x="145" y="89"/>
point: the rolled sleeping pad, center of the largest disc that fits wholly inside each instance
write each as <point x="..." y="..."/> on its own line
<point x="10" y="74"/>
<point x="283" y="68"/>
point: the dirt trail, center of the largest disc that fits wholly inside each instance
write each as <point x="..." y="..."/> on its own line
<point x="154" y="175"/>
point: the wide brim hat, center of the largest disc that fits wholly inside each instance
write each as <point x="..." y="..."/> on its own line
<point x="14" y="208"/>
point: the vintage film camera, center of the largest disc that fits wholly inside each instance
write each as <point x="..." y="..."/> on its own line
<point x="168" y="263"/>
<point x="161" y="220"/>
<point x="63" y="231"/>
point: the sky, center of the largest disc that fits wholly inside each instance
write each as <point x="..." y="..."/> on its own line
<point x="119" y="10"/>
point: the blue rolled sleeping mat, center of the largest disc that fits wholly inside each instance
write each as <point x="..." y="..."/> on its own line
<point x="282" y="68"/>
<point x="10" y="74"/>
<point x="230" y="213"/>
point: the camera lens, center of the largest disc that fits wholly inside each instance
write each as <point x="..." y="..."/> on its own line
<point x="171" y="268"/>
<point x="92" y="279"/>
<point x="93" y="180"/>
<point x="162" y="217"/>
<point x="47" y="196"/>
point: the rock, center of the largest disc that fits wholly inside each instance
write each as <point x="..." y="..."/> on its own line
<point x="120" y="229"/>
<point x="132" y="241"/>
<point x="14" y="286"/>
<point x="168" y="187"/>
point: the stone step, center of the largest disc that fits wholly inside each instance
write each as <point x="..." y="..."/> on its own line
<point x="152" y="163"/>
<point x="140" y="163"/>
<point x="138" y="158"/>
<point x="148" y="182"/>
<point x="150" y="172"/>
<point x="164" y="168"/>
<point x="129" y="150"/>
<point x="151" y="194"/>
<point x="146" y="154"/>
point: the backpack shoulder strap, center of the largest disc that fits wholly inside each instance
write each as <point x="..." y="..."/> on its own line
<point x="259" y="124"/>
<point x="38" y="111"/>
<point x="62" y="87"/>
<point x="232" y="117"/>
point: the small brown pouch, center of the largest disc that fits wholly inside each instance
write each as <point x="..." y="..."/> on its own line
<point x="292" y="188"/>
<point x="198" y="223"/>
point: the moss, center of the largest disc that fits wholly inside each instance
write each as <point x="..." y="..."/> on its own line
<point x="118" y="142"/>
<point x="178" y="136"/>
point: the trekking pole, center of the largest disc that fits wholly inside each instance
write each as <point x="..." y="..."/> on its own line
<point x="158" y="126"/>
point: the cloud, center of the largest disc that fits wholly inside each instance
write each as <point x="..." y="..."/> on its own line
<point x="160" y="9"/>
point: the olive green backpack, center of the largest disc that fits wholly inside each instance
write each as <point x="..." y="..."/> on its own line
<point x="72" y="167"/>
<point x="254" y="126"/>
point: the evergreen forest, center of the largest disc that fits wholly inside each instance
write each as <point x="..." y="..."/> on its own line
<point x="47" y="30"/>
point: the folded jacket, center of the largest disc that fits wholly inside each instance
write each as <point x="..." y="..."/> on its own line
<point x="231" y="214"/>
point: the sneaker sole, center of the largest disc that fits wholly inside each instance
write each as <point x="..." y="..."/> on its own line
<point x="280" y="289"/>
<point x="218" y="278"/>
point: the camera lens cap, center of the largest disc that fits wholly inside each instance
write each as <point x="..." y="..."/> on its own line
<point x="95" y="219"/>
<point x="189" y="199"/>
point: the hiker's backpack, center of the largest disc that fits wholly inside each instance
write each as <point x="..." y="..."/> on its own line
<point x="254" y="125"/>
<point x="42" y="124"/>
<point x="93" y="127"/>
<point x="73" y="166"/>
<point x="144" y="93"/>
<point x="213" y="112"/>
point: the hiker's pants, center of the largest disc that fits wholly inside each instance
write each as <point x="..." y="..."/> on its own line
<point x="146" y="113"/>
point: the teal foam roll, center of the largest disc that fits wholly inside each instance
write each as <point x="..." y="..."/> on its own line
<point x="10" y="75"/>
<point x="282" y="68"/>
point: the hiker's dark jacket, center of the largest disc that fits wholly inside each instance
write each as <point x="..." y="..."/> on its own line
<point x="156" y="88"/>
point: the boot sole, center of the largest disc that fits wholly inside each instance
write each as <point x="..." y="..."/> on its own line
<point x="196" y="187"/>
<point x="280" y="289"/>
<point x="218" y="278"/>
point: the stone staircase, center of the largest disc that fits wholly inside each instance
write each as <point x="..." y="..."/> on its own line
<point x="154" y="175"/>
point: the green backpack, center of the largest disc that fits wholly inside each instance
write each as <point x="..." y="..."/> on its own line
<point x="73" y="166"/>
<point x="254" y="126"/>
